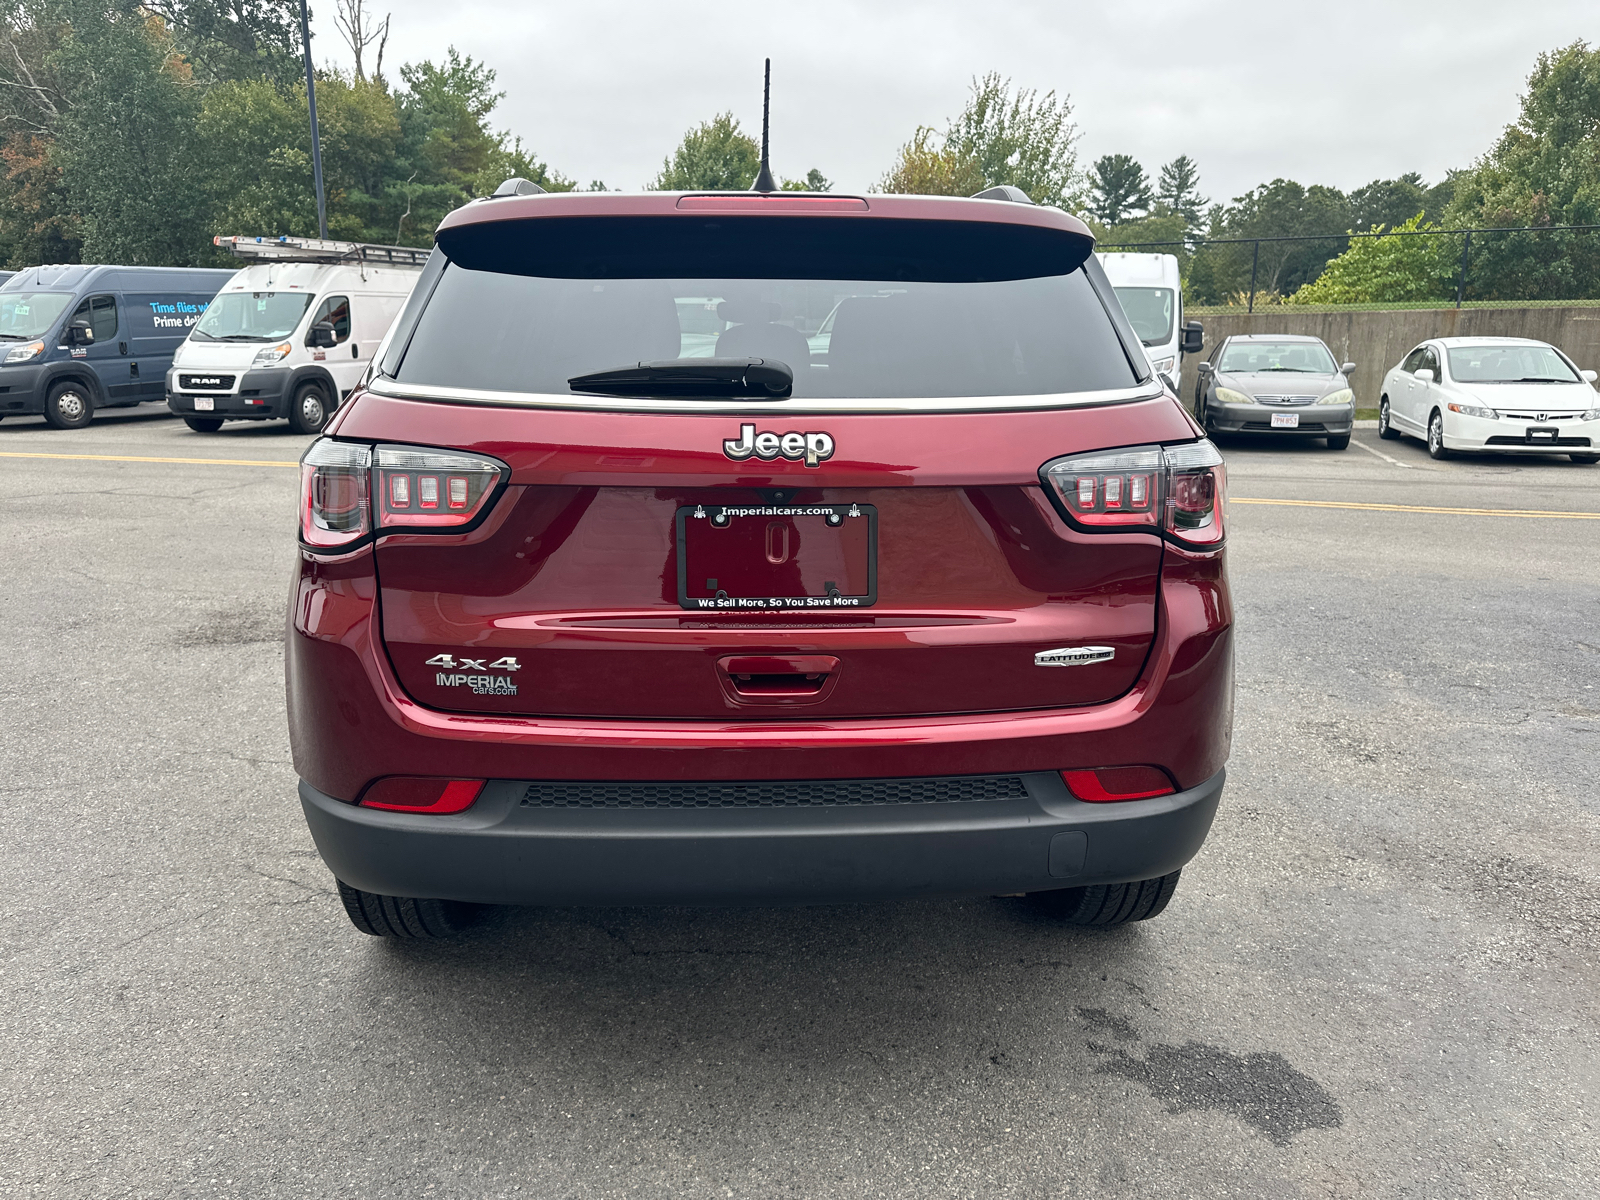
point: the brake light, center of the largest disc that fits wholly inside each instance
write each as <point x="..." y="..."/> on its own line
<point x="1179" y="490"/>
<point x="334" y="510"/>
<point x="349" y="490"/>
<point x="404" y="793"/>
<point x="432" y="487"/>
<point x="1103" y="784"/>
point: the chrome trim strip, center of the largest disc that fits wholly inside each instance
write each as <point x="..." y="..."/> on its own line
<point x="942" y="404"/>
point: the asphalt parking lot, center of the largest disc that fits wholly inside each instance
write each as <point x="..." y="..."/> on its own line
<point x="1378" y="979"/>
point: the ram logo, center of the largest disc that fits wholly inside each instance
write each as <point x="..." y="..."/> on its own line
<point x="1074" y="656"/>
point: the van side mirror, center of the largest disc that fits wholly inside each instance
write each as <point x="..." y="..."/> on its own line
<point x="80" y="333"/>
<point x="1194" y="338"/>
<point x="323" y="335"/>
<point x="1347" y="369"/>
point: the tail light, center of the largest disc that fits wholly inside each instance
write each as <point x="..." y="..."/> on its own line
<point x="1177" y="490"/>
<point x="1118" y="783"/>
<point x="334" y="510"/>
<point x="432" y="487"/>
<point x="349" y="490"/>
<point x="405" y="793"/>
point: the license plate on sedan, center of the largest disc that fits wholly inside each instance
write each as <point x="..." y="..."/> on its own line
<point x="1286" y="420"/>
<point x="777" y="557"/>
<point x="205" y="404"/>
<point x="1537" y="433"/>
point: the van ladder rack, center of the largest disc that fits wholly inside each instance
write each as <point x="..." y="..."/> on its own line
<point x="321" y="250"/>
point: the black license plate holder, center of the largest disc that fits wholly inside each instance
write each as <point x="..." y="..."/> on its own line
<point x="777" y="557"/>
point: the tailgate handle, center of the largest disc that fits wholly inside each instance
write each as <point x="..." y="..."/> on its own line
<point x="778" y="676"/>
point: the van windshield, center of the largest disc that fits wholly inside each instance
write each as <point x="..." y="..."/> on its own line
<point x="870" y="339"/>
<point x="28" y="315"/>
<point x="252" y="317"/>
<point x="1150" y="312"/>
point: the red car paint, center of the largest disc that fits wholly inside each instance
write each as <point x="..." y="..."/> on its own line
<point x="574" y="570"/>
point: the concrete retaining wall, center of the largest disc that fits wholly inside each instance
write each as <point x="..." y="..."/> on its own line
<point x="1376" y="341"/>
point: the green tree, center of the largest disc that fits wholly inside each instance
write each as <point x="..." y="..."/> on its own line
<point x="814" y="181"/>
<point x="1118" y="189"/>
<point x="122" y="143"/>
<point x="1022" y="139"/>
<point x="1179" y="189"/>
<point x="929" y="166"/>
<point x="1385" y="270"/>
<point x="234" y="39"/>
<point x="1282" y="209"/>
<point x="716" y="156"/>
<point x="1544" y="170"/>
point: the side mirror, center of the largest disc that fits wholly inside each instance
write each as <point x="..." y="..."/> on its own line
<point x="1425" y="374"/>
<point x="80" y="333"/>
<point x="323" y="335"/>
<point x="1204" y="370"/>
<point x="1167" y="379"/>
<point x="1589" y="376"/>
<point x="1347" y="369"/>
<point x="1194" y="338"/>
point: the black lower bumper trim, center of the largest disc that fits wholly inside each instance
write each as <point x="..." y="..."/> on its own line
<point x="506" y="851"/>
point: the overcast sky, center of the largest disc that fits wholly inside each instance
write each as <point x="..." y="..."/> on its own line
<point x="1251" y="89"/>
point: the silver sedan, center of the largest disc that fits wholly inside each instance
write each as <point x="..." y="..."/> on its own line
<point x="1283" y="384"/>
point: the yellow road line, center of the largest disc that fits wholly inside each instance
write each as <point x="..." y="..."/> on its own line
<point x="1421" y="508"/>
<point x="204" y="462"/>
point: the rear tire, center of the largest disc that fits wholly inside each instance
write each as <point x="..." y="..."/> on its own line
<point x="68" y="406"/>
<point x="1584" y="458"/>
<point x="402" y="916"/>
<point x="1386" y="429"/>
<point x="203" y="424"/>
<point x="1105" y="904"/>
<point x="1436" y="446"/>
<point x="1342" y="442"/>
<point x="309" y="411"/>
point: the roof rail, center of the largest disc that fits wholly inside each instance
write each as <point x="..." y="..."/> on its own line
<point x="321" y="250"/>
<point x="1004" y="191"/>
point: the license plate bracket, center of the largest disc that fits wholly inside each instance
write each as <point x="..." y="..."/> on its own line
<point x="1286" y="420"/>
<point x="205" y="404"/>
<point x="1542" y="433"/>
<point x="777" y="557"/>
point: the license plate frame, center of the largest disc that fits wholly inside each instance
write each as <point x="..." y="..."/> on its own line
<point x="1286" y="420"/>
<point x="1543" y="433"/>
<point x="857" y="541"/>
<point x="205" y="404"/>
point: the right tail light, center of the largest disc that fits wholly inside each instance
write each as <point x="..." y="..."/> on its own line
<point x="349" y="491"/>
<point x="1179" y="491"/>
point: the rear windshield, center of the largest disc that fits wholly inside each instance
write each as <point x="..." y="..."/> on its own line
<point x="870" y="339"/>
<point x="1509" y="364"/>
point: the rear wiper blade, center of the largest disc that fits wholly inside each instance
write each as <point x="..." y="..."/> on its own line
<point x="694" y="378"/>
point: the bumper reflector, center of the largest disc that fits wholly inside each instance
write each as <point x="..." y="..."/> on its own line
<point x="1118" y="783"/>
<point x="404" y="793"/>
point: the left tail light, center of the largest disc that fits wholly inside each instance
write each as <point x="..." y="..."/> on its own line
<point x="1179" y="490"/>
<point x="350" y="490"/>
<point x="334" y="481"/>
<point x="407" y="793"/>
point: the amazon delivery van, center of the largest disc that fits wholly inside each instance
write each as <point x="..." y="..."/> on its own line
<point x="292" y="333"/>
<point x="1152" y="296"/>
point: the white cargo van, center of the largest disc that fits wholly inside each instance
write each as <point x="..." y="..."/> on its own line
<point x="292" y="333"/>
<point x="1152" y="296"/>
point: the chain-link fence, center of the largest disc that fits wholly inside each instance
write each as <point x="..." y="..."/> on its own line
<point x="1441" y="268"/>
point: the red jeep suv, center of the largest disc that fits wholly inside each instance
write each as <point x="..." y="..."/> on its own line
<point x="759" y="549"/>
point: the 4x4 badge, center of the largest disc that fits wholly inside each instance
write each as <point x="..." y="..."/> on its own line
<point x="449" y="661"/>
<point x="811" y="447"/>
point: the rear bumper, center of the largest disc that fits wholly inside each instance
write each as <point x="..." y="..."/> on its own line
<point x="507" y="851"/>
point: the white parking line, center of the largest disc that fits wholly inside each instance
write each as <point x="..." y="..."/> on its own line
<point x="1380" y="454"/>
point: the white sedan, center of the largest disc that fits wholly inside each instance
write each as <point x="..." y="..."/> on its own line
<point x="1505" y="395"/>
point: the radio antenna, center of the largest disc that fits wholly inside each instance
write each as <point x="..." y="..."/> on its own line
<point x="764" y="181"/>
